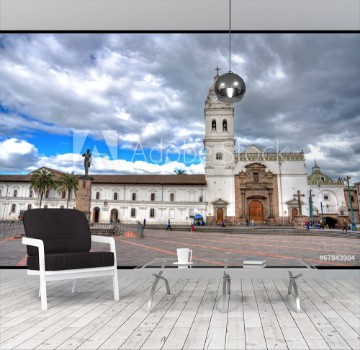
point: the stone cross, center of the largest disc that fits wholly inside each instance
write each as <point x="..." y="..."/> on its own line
<point x="217" y="70"/>
<point x="298" y="195"/>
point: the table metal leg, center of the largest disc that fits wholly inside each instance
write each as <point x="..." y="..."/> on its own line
<point x="293" y="285"/>
<point x="158" y="277"/>
<point x="226" y="289"/>
<point x="226" y="283"/>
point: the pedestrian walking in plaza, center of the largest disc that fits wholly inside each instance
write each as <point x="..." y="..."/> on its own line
<point x="144" y="222"/>
<point x="247" y="222"/>
<point x="169" y="226"/>
<point x="307" y="225"/>
<point x="192" y="228"/>
<point x="344" y="227"/>
<point x="252" y="222"/>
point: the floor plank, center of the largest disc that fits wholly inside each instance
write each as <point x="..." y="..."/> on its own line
<point x="257" y="314"/>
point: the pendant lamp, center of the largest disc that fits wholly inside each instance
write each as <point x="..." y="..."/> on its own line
<point x="230" y="87"/>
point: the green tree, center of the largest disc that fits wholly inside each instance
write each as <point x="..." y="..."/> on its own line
<point x="68" y="183"/>
<point x="180" y="172"/>
<point x="41" y="181"/>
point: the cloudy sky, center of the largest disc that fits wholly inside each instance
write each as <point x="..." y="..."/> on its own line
<point x="137" y="100"/>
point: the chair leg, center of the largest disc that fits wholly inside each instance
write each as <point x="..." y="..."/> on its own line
<point x="75" y="286"/>
<point x="43" y="292"/>
<point x="116" y="285"/>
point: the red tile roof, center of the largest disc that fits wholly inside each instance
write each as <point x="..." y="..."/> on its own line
<point x="198" y="179"/>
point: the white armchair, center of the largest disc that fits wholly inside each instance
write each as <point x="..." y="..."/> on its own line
<point x="58" y="245"/>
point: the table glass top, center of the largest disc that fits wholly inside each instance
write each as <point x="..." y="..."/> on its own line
<point x="241" y="262"/>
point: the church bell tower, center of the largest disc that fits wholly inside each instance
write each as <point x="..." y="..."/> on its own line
<point x="219" y="141"/>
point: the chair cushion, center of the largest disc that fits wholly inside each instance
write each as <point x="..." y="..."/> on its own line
<point x="62" y="230"/>
<point x="69" y="261"/>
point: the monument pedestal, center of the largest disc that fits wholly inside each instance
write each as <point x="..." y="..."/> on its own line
<point x="83" y="195"/>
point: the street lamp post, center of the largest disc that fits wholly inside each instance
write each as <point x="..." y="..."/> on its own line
<point x="322" y="213"/>
<point x="311" y="209"/>
<point x="353" y="225"/>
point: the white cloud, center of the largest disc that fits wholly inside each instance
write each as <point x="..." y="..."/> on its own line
<point x="315" y="153"/>
<point x="59" y="82"/>
<point x="102" y="165"/>
<point x="21" y="156"/>
<point x="16" y="154"/>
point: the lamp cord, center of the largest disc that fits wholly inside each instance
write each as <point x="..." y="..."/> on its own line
<point x="229" y="35"/>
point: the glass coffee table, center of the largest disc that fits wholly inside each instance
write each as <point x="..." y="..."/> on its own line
<point x="246" y="263"/>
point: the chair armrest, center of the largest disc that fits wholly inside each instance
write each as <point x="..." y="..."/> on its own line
<point x="40" y="245"/>
<point x="102" y="239"/>
<point x="108" y="240"/>
<point x="33" y="242"/>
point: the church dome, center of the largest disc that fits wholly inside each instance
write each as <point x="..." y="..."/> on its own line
<point x="317" y="177"/>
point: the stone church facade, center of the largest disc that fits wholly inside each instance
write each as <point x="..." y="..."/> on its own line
<point x="254" y="184"/>
<point x="267" y="187"/>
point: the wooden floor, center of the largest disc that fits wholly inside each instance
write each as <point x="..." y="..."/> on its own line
<point x="258" y="315"/>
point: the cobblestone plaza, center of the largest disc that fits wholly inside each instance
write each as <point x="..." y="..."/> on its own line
<point x="326" y="248"/>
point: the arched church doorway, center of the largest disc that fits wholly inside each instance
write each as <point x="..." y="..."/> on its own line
<point x="331" y="222"/>
<point x="114" y="215"/>
<point x="294" y="212"/>
<point x="96" y="214"/>
<point x="219" y="215"/>
<point x="256" y="211"/>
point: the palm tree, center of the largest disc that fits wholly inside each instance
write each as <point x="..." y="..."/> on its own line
<point x="41" y="181"/>
<point x="68" y="183"/>
<point x="180" y="172"/>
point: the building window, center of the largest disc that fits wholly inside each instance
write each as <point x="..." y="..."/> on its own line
<point x="31" y="193"/>
<point x="213" y="125"/>
<point x="63" y="194"/>
<point x="326" y="197"/>
<point x="322" y="178"/>
<point x="191" y="213"/>
<point x="29" y="207"/>
<point x="97" y="195"/>
<point x="15" y="193"/>
<point x="133" y="212"/>
<point x="115" y="196"/>
<point x="134" y="196"/>
<point x="352" y="198"/>
<point x="172" y="214"/>
<point x="152" y="197"/>
<point x="256" y="177"/>
<point x="224" y="125"/>
<point x="13" y="208"/>
<point x="47" y="194"/>
<point x="341" y="212"/>
<point x="172" y="197"/>
<point x="152" y="213"/>
<point x="200" y="198"/>
<point x="219" y="156"/>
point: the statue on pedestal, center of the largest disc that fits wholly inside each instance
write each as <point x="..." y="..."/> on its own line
<point x="87" y="161"/>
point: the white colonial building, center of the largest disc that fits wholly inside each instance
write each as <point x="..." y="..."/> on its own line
<point x="128" y="198"/>
<point x="267" y="187"/>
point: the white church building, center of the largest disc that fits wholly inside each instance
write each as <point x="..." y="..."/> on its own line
<point x="267" y="187"/>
